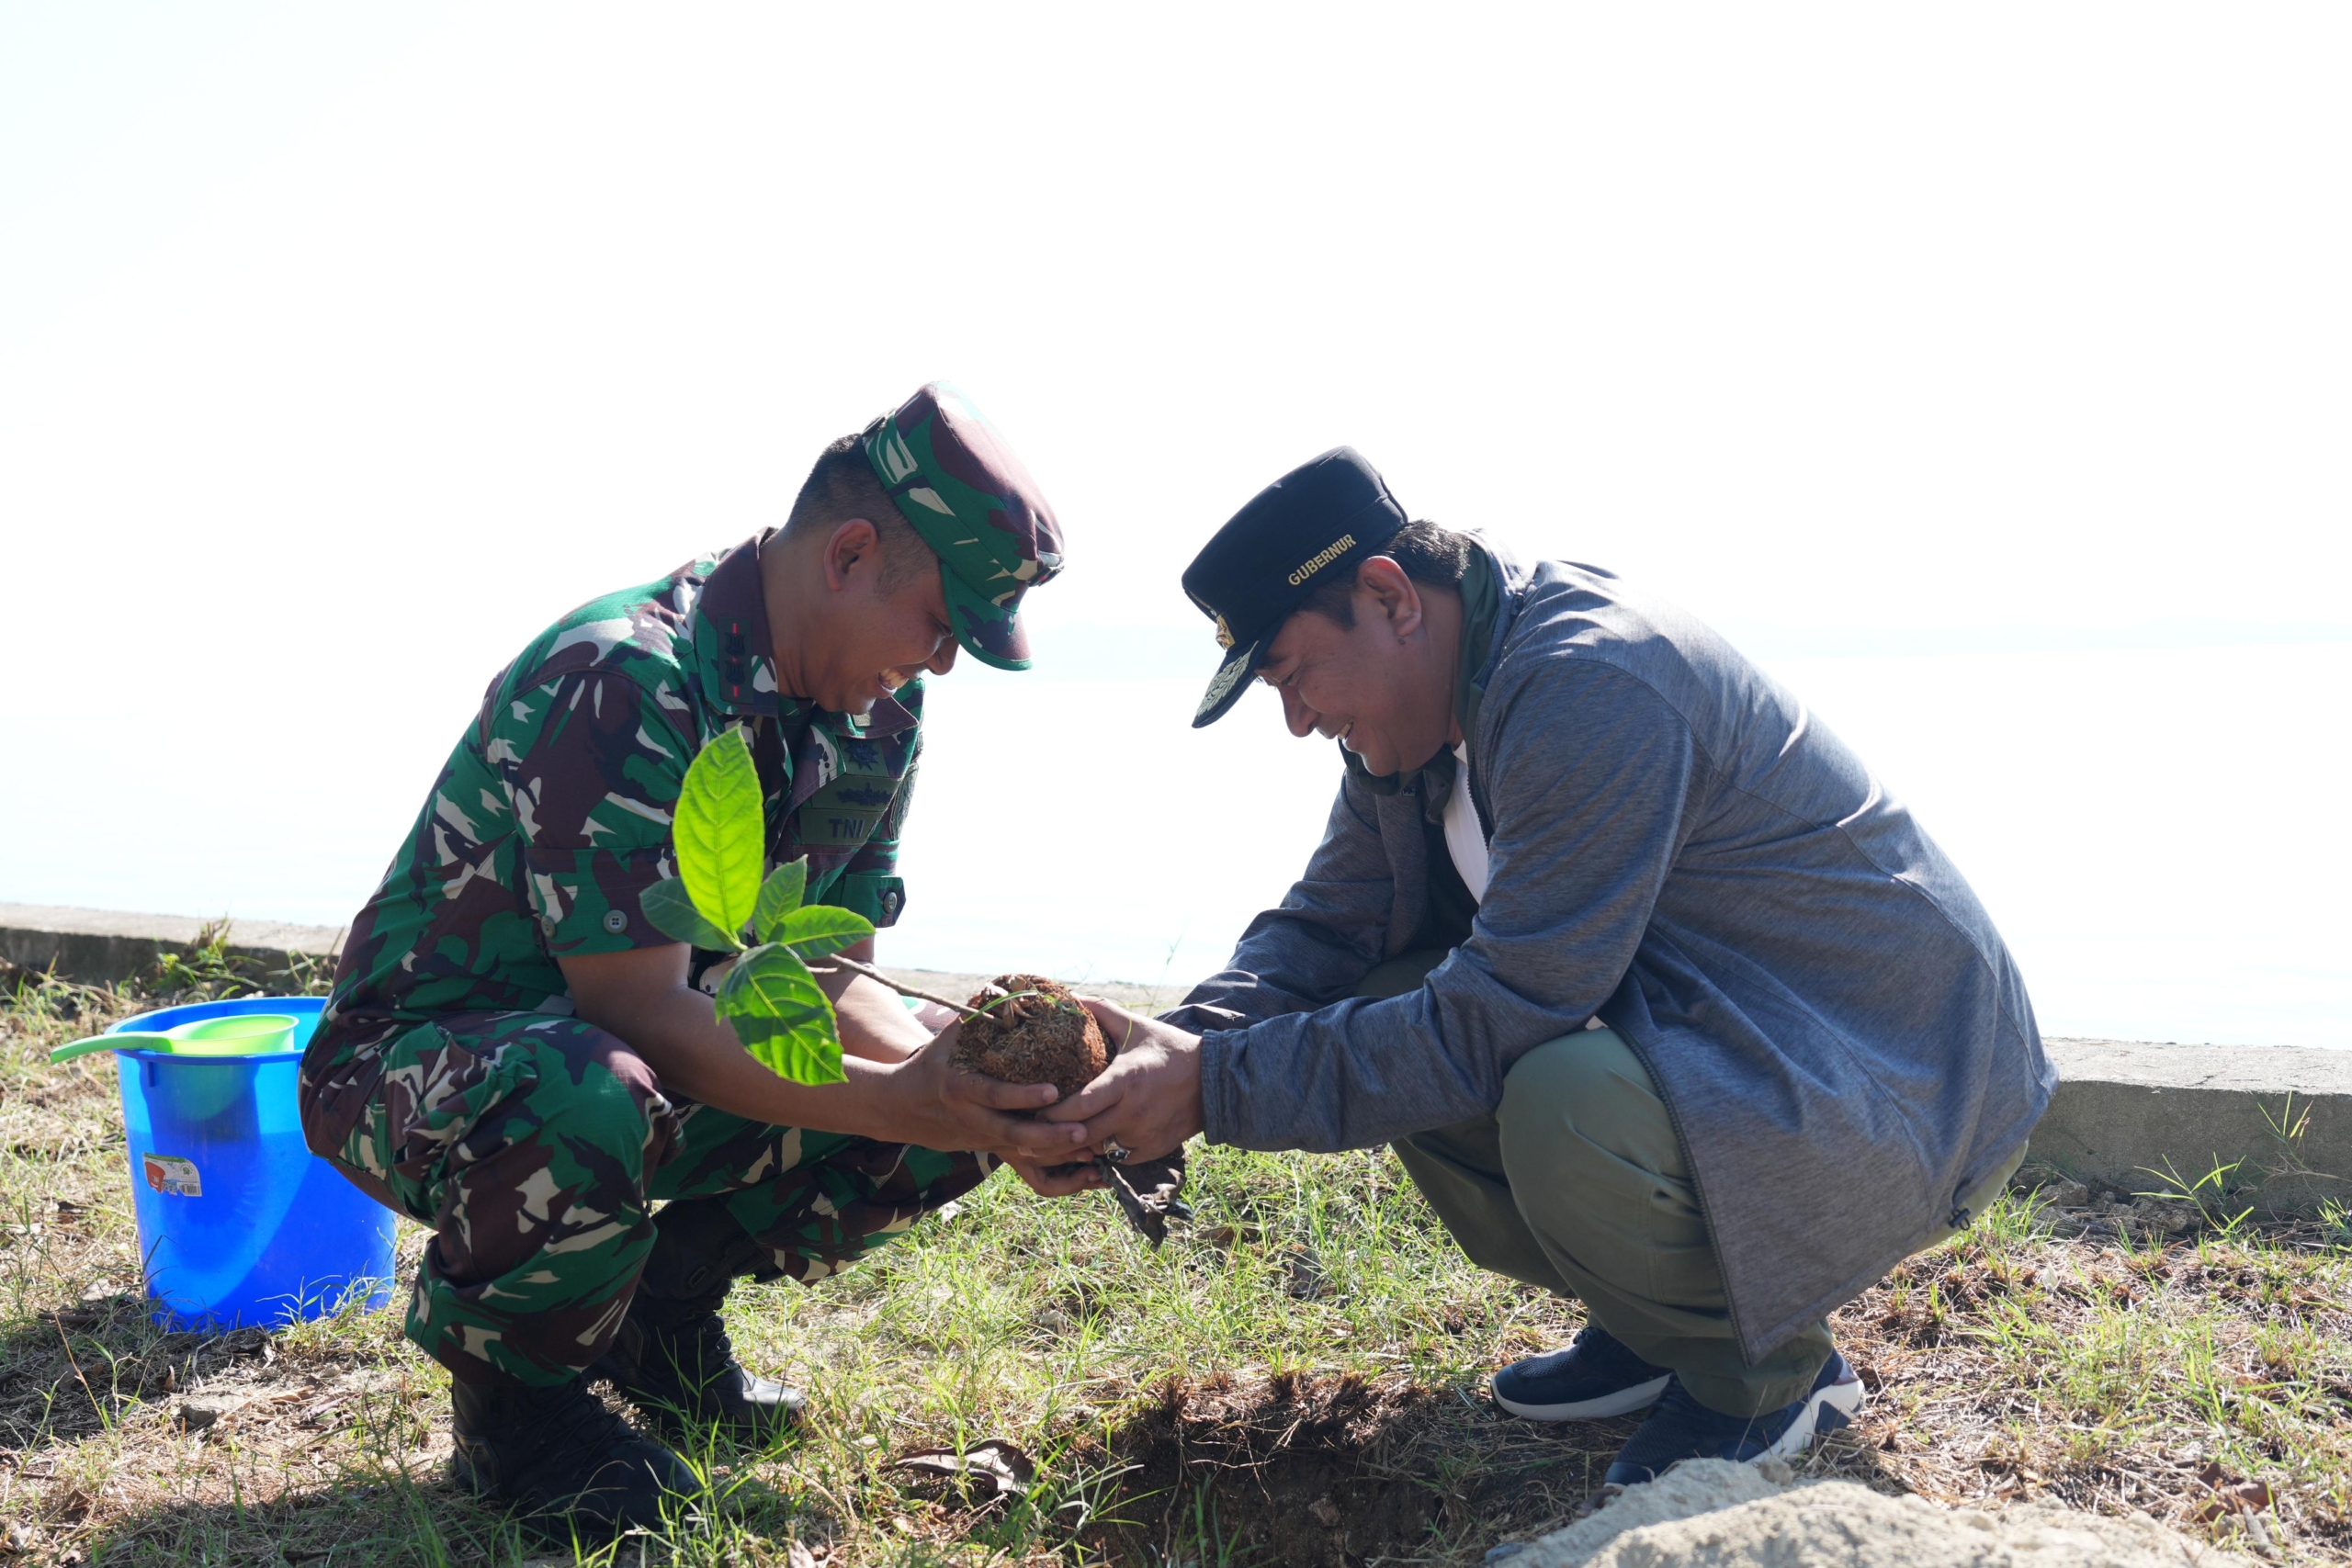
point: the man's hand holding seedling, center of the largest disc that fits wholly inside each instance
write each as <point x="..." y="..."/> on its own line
<point x="1149" y="1100"/>
<point x="889" y="1088"/>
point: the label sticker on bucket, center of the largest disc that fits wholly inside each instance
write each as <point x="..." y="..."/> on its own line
<point x="173" y="1177"/>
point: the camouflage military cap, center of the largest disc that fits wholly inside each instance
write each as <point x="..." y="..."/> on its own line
<point x="973" y="502"/>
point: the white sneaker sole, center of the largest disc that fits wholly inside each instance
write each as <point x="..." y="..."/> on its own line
<point x="1624" y="1401"/>
<point x="1844" y="1396"/>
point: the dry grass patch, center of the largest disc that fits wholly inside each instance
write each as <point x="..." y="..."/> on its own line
<point x="1295" y="1377"/>
<point x="2205" y="1381"/>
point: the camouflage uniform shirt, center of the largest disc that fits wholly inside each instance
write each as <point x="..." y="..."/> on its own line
<point x="552" y="815"/>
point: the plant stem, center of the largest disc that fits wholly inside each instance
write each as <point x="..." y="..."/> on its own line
<point x="871" y="973"/>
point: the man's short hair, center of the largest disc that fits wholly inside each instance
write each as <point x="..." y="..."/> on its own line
<point x="1428" y="554"/>
<point x="842" y="485"/>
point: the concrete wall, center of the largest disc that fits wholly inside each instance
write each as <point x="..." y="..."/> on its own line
<point x="2124" y="1108"/>
<point x="103" y="947"/>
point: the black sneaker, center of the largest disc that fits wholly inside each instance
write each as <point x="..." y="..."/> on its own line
<point x="1596" y="1376"/>
<point x="677" y="1367"/>
<point x="1681" y="1427"/>
<point x="568" y="1465"/>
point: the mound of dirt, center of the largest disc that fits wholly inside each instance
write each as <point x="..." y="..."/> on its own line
<point x="1711" y="1514"/>
<point x="1042" y="1034"/>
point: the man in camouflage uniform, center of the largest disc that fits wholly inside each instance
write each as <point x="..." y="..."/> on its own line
<point x="513" y="1055"/>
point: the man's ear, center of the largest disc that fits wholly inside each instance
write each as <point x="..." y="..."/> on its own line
<point x="856" y="545"/>
<point x="1396" y="598"/>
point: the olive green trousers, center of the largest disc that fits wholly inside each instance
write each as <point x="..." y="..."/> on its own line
<point x="1577" y="1184"/>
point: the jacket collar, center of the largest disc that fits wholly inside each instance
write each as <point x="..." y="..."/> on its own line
<point x="1491" y="592"/>
<point x="734" y="661"/>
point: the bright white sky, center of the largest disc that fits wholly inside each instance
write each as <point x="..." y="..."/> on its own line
<point x="341" y="348"/>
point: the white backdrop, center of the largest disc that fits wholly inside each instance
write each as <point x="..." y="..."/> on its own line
<point x="1980" y="371"/>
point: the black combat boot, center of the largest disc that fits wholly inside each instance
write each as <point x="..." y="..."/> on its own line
<point x="671" y="1358"/>
<point x="569" y="1465"/>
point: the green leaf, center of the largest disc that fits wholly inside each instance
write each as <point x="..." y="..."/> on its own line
<point x="782" y="1017"/>
<point x="820" y="929"/>
<point x="795" y="1054"/>
<point x="772" y="982"/>
<point x="720" y="832"/>
<point x="674" y="916"/>
<point x="779" y="896"/>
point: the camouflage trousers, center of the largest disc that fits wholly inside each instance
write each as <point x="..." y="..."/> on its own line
<point x="536" y="1147"/>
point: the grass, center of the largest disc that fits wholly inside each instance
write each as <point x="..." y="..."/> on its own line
<point x="1295" y="1377"/>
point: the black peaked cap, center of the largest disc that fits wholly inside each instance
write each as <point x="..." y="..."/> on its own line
<point x="1321" y="518"/>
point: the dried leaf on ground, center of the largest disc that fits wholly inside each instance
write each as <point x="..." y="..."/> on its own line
<point x="2228" y="1496"/>
<point x="1003" y="1465"/>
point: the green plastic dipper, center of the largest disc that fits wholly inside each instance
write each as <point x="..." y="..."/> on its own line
<point x="239" y="1034"/>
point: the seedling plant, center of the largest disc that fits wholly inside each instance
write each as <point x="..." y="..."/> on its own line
<point x="770" y="998"/>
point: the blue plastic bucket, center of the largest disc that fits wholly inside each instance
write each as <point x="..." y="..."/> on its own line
<point x="239" y="1222"/>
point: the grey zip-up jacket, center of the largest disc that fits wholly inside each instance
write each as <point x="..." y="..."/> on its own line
<point x="1677" y="846"/>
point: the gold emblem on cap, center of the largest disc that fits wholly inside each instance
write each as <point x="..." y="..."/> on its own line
<point x="1224" y="633"/>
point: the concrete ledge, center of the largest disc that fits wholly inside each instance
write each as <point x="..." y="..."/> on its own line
<point x="2124" y="1108"/>
<point x="106" y="947"/>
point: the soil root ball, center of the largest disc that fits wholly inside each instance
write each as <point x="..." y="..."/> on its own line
<point x="1033" y="1030"/>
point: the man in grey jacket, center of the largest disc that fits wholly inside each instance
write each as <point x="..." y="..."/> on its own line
<point x="1663" y="1001"/>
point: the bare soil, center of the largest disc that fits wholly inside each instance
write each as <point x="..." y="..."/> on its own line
<point x="1043" y="1034"/>
<point x="1332" y="1469"/>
